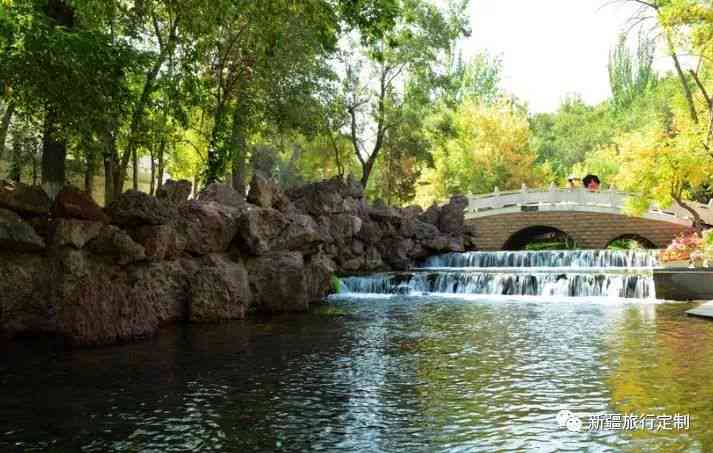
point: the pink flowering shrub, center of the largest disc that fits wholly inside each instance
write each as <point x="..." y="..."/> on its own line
<point x="682" y="248"/>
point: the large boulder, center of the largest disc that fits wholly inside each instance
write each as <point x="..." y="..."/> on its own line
<point x="206" y="227"/>
<point x="301" y="234"/>
<point x="278" y="282"/>
<point x="100" y="304"/>
<point x="259" y="228"/>
<point x="27" y="301"/>
<point x="219" y="291"/>
<point x="174" y="192"/>
<point x="451" y="219"/>
<point x="159" y="241"/>
<point x="344" y="226"/>
<point x="72" y="203"/>
<point x="266" y="193"/>
<point x="72" y="232"/>
<point x="116" y="243"/>
<point x="134" y="208"/>
<point x="16" y="235"/>
<point x="379" y="212"/>
<point x="222" y="194"/>
<point x="431" y="215"/>
<point x="333" y="196"/>
<point x="318" y="274"/>
<point x="28" y="201"/>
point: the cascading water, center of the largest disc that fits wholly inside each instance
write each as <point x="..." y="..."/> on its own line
<point x="581" y="273"/>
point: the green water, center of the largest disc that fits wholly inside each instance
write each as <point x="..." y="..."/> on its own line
<point x="414" y="374"/>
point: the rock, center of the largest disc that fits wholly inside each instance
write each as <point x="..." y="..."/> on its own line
<point x="258" y="228"/>
<point x="16" y="235"/>
<point x="344" y="226"/>
<point x="174" y="192"/>
<point x="27" y="302"/>
<point x="222" y="194"/>
<point x="266" y="193"/>
<point x="411" y="212"/>
<point x="115" y="242"/>
<point x="134" y="208"/>
<point x="301" y="234"/>
<point x="373" y="260"/>
<point x="431" y="215"/>
<point x="219" y="291"/>
<point x="370" y="232"/>
<point x="278" y="282"/>
<point x="318" y="274"/>
<point x="159" y="241"/>
<point x="72" y="232"/>
<point x="381" y="213"/>
<point x="206" y="227"/>
<point x="99" y="304"/>
<point x="353" y="264"/>
<point x="25" y="200"/>
<point x="451" y="220"/>
<point x="164" y="286"/>
<point x="333" y="196"/>
<point x="72" y="203"/>
<point x="398" y="254"/>
<point x="416" y="229"/>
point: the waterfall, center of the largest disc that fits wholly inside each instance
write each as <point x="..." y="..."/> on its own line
<point x="555" y="258"/>
<point x="581" y="273"/>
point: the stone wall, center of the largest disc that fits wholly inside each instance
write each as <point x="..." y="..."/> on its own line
<point x="96" y="276"/>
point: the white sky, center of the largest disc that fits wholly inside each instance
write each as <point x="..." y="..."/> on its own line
<point x="550" y="48"/>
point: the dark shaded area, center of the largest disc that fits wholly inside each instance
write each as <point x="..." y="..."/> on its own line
<point x="540" y="238"/>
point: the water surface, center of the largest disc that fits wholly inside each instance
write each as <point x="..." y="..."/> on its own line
<point x="374" y="373"/>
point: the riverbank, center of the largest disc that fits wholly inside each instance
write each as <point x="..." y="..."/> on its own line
<point x="99" y="276"/>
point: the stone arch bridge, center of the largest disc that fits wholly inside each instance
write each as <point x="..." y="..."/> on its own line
<point x="509" y="220"/>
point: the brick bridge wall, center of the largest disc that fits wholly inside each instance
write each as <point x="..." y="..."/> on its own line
<point x="588" y="229"/>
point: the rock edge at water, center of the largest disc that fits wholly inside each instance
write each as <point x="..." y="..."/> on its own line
<point x="98" y="276"/>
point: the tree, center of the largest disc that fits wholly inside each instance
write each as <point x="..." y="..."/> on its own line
<point x="376" y="73"/>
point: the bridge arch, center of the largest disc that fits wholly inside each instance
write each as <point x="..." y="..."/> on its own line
<point x="641" y="240"/>
<point x="521" y="238"/>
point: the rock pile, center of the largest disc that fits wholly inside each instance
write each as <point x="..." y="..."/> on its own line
<point x="102" y="276"/>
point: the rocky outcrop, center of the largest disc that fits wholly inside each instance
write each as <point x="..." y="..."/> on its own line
<point x="28" y="201"/>
<point x="72" y="203"/>
<point x="101" y="276"/>
<point x="17" y="235"/>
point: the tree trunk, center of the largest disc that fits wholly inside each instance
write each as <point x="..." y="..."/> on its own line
<point x="5" y="125"/>
<point x="238" y="144"/>
<point x="54" y="155"/>
<point x="684" y="81"/>
<point x="161" y="163"/>
<point x="214" y="166"/>
<point x="110" y="163"/>
<point x="89" y="172"/>
<point x="698" y="223"/>
<point x="135" y="169"/>
<point x="54" y="146"/>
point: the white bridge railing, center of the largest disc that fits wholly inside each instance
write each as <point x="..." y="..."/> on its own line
<point x="575" y="199"/>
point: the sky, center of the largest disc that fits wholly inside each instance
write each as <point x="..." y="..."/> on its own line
<point x="550" y="48"/>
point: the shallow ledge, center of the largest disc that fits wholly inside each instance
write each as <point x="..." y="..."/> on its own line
<point x="684" y="284"/>
<point x="704" y="310"/>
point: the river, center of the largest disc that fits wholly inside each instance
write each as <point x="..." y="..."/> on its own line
<point x="399" y="368"/>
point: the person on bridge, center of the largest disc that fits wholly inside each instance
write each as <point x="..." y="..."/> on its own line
<point x="591" y="183"/>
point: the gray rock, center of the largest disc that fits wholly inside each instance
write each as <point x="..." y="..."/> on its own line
<point x="18" y="236"/>
<point x="219" y="291"/>
<point x="174" y="192"/>
<point x="278" y="282"/>
<point x="115" y="242"/>
<point x="266" y="193"/>
<point x="72" y="232"/>
<point x="23" y="199"/>
<point x="206" y="227"/>
<point x="135" y="208"/>
<point x="222" y="194"/>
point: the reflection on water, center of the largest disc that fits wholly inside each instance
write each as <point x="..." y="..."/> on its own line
<point x="374" y="374"/>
